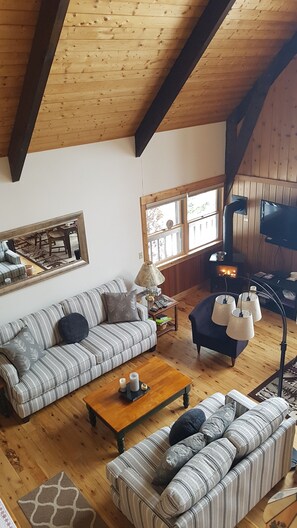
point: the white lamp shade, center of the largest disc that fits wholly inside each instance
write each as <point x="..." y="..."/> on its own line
<point x="222" y="309"/>
<point x="240" y="326"/>
<point x="250" y="301"/>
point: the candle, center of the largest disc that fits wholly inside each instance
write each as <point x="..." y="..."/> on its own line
<point x="134" y="382"/>
<point x="123" y="385"/>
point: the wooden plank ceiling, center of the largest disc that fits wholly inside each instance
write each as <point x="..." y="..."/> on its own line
<point x="114" y="55"/>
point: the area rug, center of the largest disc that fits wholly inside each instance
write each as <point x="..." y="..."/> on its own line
<point x="25" y="246"/>
<point x="268" y="388"/>
<point x="59" y="504"/>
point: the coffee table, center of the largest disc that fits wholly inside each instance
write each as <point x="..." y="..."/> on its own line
<point x="166" y="385"/>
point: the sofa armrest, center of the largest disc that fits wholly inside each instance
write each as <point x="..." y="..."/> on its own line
<point x="12" y="257"/>
<point x="136" y="493"/>
<point x="142" y="312"/>
<point x="243" y="403"/>
<point x="8" y="372"/>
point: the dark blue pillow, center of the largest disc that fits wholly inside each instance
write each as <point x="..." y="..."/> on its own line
<point x="73" y="328"/>
<point x="186" y="425"/>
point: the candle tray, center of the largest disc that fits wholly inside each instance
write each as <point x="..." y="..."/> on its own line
<point x="133" y="395"/>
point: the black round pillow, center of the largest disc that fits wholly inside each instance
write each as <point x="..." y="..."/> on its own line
<point x="73" y="328"/>
<point x="186" y="425"/>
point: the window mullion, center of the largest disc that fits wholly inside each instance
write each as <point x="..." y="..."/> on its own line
<point x="185" y="224"/>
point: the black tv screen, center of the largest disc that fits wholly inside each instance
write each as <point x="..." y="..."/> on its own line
<point x="279" y="223"/>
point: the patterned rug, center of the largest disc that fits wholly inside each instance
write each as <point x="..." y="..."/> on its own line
<point x="59" y="504"/>
<point x="269" y="387"/>
<point x="25" y="246"/>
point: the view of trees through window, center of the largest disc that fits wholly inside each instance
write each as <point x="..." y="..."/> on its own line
<point x="166" y="226"/>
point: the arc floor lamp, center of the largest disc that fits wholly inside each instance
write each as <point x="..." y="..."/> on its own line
<point x="240" y="321"/>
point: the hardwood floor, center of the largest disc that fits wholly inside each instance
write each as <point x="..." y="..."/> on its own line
<point x="60" y="437"/>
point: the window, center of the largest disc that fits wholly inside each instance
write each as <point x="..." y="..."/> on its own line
<point x="178" y="225"/>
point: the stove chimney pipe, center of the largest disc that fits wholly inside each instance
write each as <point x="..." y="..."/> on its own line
<point x="238" y="205"/>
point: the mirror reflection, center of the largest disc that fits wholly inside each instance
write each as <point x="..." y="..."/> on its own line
<point x="33" y="252"/>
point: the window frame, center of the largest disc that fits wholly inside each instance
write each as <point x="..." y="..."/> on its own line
<point x="181" y="193"/>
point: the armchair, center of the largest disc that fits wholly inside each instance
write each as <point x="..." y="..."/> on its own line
<point x="210" y="335"/>
<point x="10" y="264"/>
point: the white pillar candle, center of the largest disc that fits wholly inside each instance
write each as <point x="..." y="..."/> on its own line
<point x="134" y="382"/>
<point x="123" y="384"/>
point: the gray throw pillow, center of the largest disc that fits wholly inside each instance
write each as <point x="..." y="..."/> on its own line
<point x="215" y="426"/>
<point x="176" y="457"/>
<point x="22" y="351"/>
<point x="121" y="307"/>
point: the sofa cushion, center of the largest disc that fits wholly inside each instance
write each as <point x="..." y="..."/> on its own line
<point x="59" y="365"/>
<point x="12" y="257"/>
<point x="120" y="307"/>
<point x="3" y="249"/>
<point x="22" y="351"/>
<point x="176" y="457"/>
<point x="252" y="428"/>
<point x="215" y="426"/>
<point x="73" y="328"/>
<point x="90" y="304"/>
<point x="12" y="271"/>
<point x="106" y="341"/>
<point x="186" y="425"/>
<point x="44" y="325"/>
<point x="197" y="477"/>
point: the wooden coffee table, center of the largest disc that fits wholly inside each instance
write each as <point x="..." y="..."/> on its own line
<point x="166" y="384"/>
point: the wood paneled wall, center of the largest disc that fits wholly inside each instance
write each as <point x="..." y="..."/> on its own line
<point x="269" y="171"/>
<point x="188" y="273"/>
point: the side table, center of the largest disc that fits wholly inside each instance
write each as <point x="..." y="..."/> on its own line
<point x="170" y="325"/>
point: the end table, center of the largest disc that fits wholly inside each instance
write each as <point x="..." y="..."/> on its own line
<point x="155" y="314"/>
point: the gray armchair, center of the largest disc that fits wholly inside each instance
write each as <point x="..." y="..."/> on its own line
<point x="10" y="264"/>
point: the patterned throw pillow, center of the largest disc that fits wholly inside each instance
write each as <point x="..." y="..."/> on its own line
<point x="22" y="351"/>
<point x="215" y="426"/>
<point x="121" y="307"/>
<point x="176" y="456"/>
<point x="73" y="328"/>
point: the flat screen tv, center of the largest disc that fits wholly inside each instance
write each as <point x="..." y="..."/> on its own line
<point x="279" y="223"/>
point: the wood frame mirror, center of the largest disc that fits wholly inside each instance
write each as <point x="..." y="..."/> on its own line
<point x="36" y="252"/>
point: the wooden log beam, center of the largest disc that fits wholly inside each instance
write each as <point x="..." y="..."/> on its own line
<point x="205" y="29"/>
<point x="248" y="112"/>
<point x="47" y="33"/>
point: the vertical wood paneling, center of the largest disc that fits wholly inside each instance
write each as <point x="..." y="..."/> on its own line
<point x="270" y="156"/>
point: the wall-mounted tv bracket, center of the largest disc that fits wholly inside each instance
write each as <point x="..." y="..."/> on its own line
<point x="243" y="200"/>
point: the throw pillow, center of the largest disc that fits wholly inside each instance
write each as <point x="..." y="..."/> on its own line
<point x="22" y="351"/>
<point x="198" y="476"/>
<point x="121" y="307"/>
<point x="215" y="426"/>
<point x="254" y="427"/>
<point x="186" y="425"/>
<point x="73" y="328"/>
<point x="176" y="456"/>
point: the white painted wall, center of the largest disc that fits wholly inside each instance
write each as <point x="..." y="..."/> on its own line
<point x="105" y="181"/>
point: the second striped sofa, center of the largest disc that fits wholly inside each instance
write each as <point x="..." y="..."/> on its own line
<point x="236" y="492"/>
<point x="65" y="367"/>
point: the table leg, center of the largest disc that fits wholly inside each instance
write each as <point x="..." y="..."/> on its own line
<point x="176" y="317"/>
<point x="186" y="398"/>
<point x="92" y="416"/>
<point x="121" y="442"/>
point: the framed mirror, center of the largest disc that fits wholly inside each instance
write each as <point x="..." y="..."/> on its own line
<point x="36" y="252"/>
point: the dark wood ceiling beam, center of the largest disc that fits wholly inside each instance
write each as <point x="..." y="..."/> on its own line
<point x="248" y="112"/>
<point x="47" y="33"/>
<point x="204" y="31"/>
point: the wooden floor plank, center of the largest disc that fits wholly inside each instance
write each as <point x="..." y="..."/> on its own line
<point x="60" y="436"/>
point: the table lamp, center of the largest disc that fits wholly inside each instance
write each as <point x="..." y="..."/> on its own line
<point x="149" y="277"/>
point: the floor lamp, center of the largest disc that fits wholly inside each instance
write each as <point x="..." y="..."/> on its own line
<point x="240" y="321"/>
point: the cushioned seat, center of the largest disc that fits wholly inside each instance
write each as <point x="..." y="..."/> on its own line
<point x="108" y="340"/>
<point x="207" y="334"/>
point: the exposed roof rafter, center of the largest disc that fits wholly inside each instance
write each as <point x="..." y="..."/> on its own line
<point x="248" y="112"/>
<point x="204" y="31"/>
<point x="48" y="29"/>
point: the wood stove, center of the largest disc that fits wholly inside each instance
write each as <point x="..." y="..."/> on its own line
<point x="222" y="272"/>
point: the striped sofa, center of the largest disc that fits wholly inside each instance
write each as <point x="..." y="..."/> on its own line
<point x="249" y="478"/>
<point x="66" y="367"/>
<point x="10" y="264"/>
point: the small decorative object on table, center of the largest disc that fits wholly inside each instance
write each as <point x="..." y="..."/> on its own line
<point x="134" y="382"/>
<point x="123" y="385"/>
<point x="131" y="395"/>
